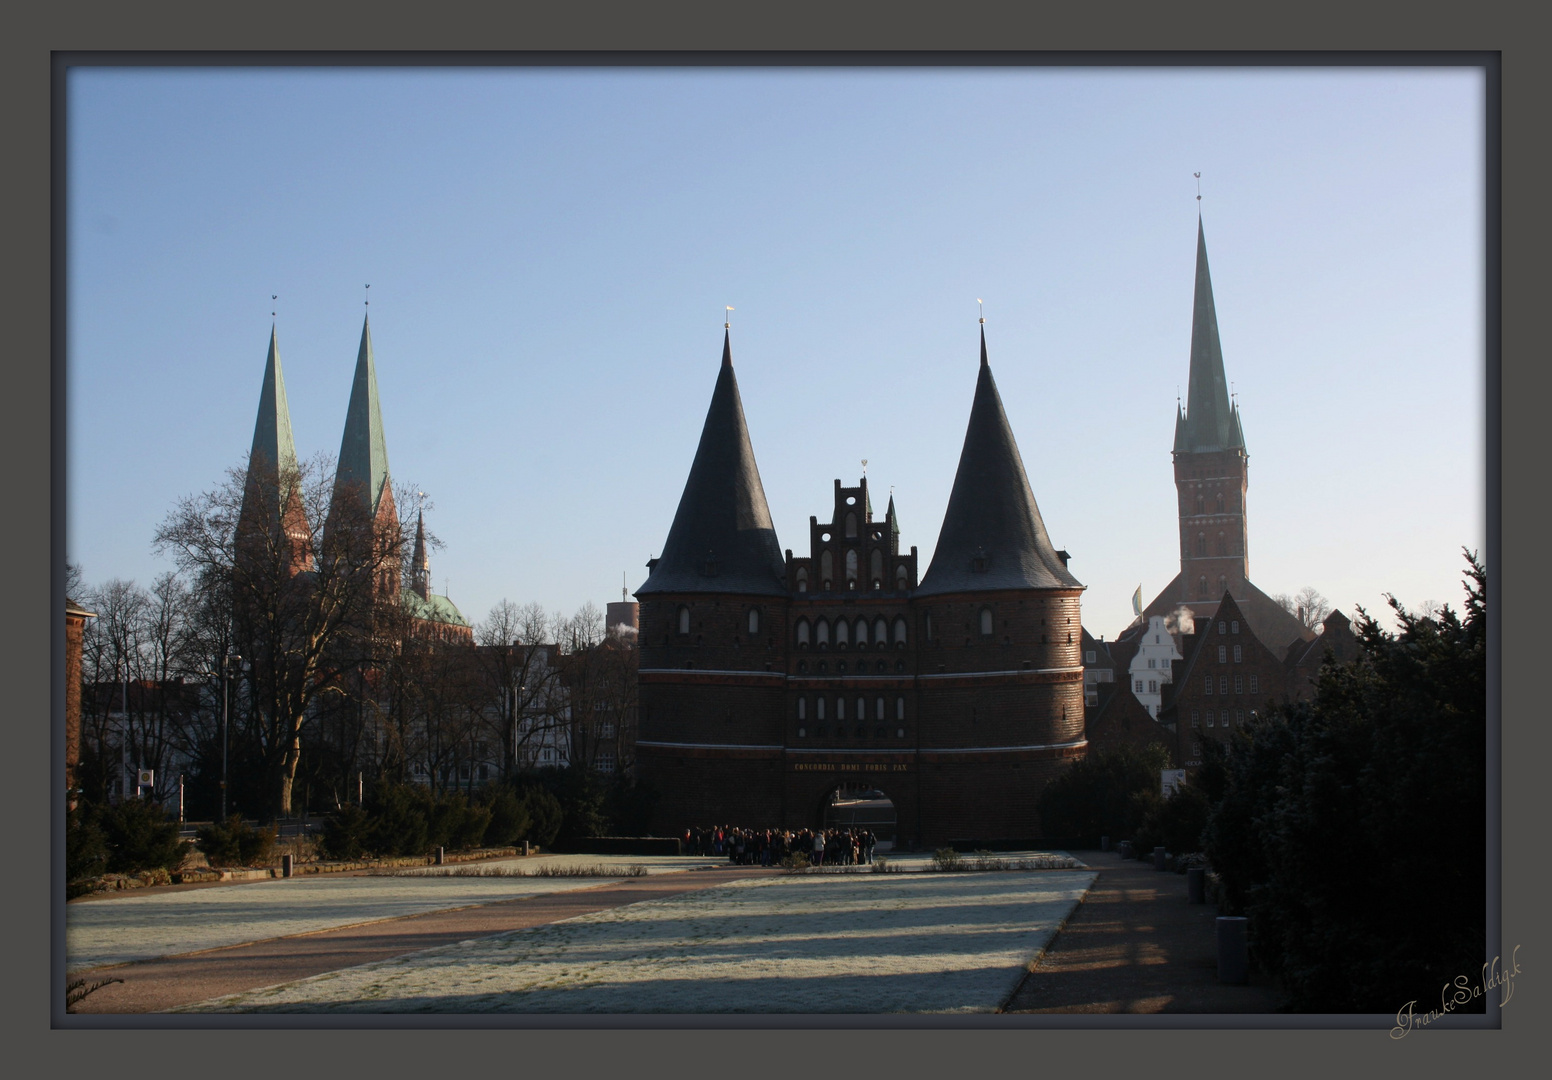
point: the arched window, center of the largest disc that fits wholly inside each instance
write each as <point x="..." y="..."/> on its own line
<point x="862" y="711"/>
<point x="802" y="708"/>
<point x="840" y="708"/>
<point x="1223" y="584"/>
<point x="878" y="709"/>
<point x="902" y="579"/>
<point x="986" y="620"/>
<point x="684" y="620"/>
<point x="1223" y="545"/>
<point x="802" y="579"/>
<point x="754" y="621"/>
<point x="1220" y="502"/>
<point x="862" y="633"/>
<point x="826" y="567"/>
<point x="851" y="524"/>
<point x="802" y="633"/>
<point x="819" y="709"/>
<point x="851" y="567"/>
<point x="876" y="571"/>
<point x="1236" y="657"/>
<point x="822" y="634"/>
<point x="880" y="632"/>
<point x="1201" y="587"/>
<point x="842" y="633"/>
<point x="1201" y="543"/>
<point x="1200" y="509"/>
<point x="899" y="708"/>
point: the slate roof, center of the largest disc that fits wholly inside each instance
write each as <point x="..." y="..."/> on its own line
<point x="722" y="539"/>
<point x="363" y="456"/>
<point x="273" y="452"/>
<point x="992" y="520"/>
<point x="1274" y="626"/>
<point x="1211" y="421"/>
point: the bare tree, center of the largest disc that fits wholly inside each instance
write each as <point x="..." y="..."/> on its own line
<point x="1307" y="605"/>
<point x="305" y="593"/>
<point x="521" y="679"/>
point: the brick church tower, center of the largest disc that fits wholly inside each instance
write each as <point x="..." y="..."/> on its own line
<point x="712" y="633"/>
<point x="272" y="527"/>
<point x="362" y="488"/>
<point x="1211" y="479"/>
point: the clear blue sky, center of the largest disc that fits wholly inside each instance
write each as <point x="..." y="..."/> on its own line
<point x="550" y="252"/>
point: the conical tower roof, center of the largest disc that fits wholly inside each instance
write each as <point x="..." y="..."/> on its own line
<point x="363" y="456"/>
<point x="992" y="536"/>
<point x="722" y="539"/>
<point x="272" y="458"/>
<point x="1211" y="421"/>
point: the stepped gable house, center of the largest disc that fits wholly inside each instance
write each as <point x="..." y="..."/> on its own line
<point x="770" y="681"/>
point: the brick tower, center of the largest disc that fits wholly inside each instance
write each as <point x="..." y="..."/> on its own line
<point x="712" y="632"/>
<point x="273" y="534"/>
<point x="1211" y="478"/>
<point x="1000" y="683"/>
<point x="363" y="491"/>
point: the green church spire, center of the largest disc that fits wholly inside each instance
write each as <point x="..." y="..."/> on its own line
<point x="363" y="457"/>
<point x="1211" y="421"/>
<point x="272" y="458"/>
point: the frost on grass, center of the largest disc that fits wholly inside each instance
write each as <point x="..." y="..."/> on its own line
<point x="852" y="944"/>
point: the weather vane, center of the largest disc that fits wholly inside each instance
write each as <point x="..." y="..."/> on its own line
<point x="1198" y="186"/>
<point x="983" y="310"/>
<point x="864" y="468"/>
<point x="729" y="323"/>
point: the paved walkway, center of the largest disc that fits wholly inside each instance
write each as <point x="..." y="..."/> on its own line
<point x="1136" y="945"/>
<point x="159" y="985"/>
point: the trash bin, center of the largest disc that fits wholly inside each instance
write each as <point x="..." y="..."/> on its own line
<point x="285" y="866"/>
<point x="1233" y="957"/>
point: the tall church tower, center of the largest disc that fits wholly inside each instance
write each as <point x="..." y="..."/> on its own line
<point x="361" y="483"/>
<point x="1211" y="464"/>
<point x="272" y="525"/>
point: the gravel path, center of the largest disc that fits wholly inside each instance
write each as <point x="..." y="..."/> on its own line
<point x="808" y="944"/>
<point x="128" y="928"/>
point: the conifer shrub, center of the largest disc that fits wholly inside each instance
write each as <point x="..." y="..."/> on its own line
<point x="236" y="843"/>
<point x="510" y="819"/>
<point x="140" y="836"/>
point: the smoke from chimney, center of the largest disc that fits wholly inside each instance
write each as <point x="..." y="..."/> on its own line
<point x="1180" y="621"/>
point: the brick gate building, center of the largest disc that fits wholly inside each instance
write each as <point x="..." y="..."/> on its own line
<point x="769" y="680"/>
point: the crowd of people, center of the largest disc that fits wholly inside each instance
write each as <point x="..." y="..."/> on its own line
<point x="773" y="847"/>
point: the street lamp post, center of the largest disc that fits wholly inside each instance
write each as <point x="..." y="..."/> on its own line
<point x="227" y="663"/>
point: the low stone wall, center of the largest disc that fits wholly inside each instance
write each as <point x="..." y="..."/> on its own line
<point x="619" y="845"/>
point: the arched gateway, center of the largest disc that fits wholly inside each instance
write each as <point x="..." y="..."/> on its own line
<point x="859" y="806"/>
<point x="962" y="707"/>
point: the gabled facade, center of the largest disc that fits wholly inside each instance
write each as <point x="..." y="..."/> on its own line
<point x="764" y="689"/>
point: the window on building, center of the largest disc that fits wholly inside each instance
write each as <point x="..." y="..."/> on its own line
<point x="802" y="579"/>
<point x="826" y="567"/>
<point x="1220" y="504"/>
<point x="754" y="621"/>
<point x="880" y="631"/>
<point x="1223" y="627"/>
<point x="605" y="761"/>
<point x="986" y="621"/>
<point x="862" y="634"/>
<point x="1236" y="654"/>
<point x="899" y="708"/>
<point x="1201" y="586"/>
<point x="1239" y="716"/>
<point x="1224" y="716"/>
<point x="878" y="709"/>
<point x="851" y="525"/>
<point x="1196" y="718"/>
<point x="1239" y="684"/>
<point x="902" y="578"/>
<point x="876" y="568"/>
<point x="1207" y="685"/>
<point x="840" y="708"/>
<point x="842" y="633"/>
<point x="927" y="624"/>
<point x="1234" y="626"/>
<point x="1091" y="657"/>
<point x="819" y="708"/>
<point x="1223" y="654"/>
<point x="1209" y="718"/>
<point x="684" y="620"/>
<point x="851" y="567"/>
<point x="1200" y="506"/>
<point x="802" y="708"/>
<point x="802" y="733"/>
<point x="1137" y="686"/>
<point x="1153" y="686"/>
<point x="862" y="711"/>
<point x="1223" y="547"/>
<point x="822" y="634"/>
<point x="900" y="631"/>
<point x="1223" y="684"/>
<point x="1255" y="685"/>
<point x="1201" y="544"/>
<point x="802" y="633"/>
<point x="1153" y="661"/>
